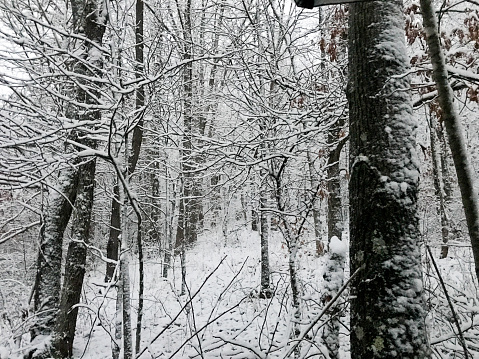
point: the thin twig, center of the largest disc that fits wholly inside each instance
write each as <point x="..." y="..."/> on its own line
<point x="181" y="310"/>
<point x="451" y="306"/>
<point x="320" y="315"/>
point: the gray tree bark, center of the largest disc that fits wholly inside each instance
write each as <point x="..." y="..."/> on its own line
<point x="56" y="318"/>
<point x="439" y="184"/>
<point x="316" y="205"/>
<point x="64" y="332"/>
<point x="89" y="19"/>
<point x="265" y="291"/>
<point x="190" y="203"/>
<point x="46" y="291"/>
<point x="387" y="305"/>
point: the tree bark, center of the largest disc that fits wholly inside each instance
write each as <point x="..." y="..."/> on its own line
<point x="265" y="291"/>
<point x="136" y="147"/>
<point x="64" y="333"/>
<point x="454" y="130"/>
<point x="190" y="206"/>
<point x="316" y="205"/>
<point x="387" y="305"/>
<point x="335" y="215"/>
<point x="46" y="291"/>
<point x="85" y="16"/>
<point x="439" y="184"/>
<point x="114" y="233"/>
<point x="89" y="20"/>
<point x="125" y="280"/>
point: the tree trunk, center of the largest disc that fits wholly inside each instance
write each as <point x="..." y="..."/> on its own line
<point x="169" y="216"/>
<point x="387" y="305"/>
<point x="136" y="147"/>
<point x="75" y="264"/>
<point x="335" y="214"/>
<point x="113" y="238"/>
<point x="89" y="20"/>
<point x="439" y="184"/>
<point x="454" y="130"/>
<point x="265" y="291"/>
<point x="333" y="281"/>
<point x="316" y="210"/>
<point x="85" y="14"/>
<point x="190" y="206"/>
<point x="46" y="291"/>
<point x="334" y="275"/>
<point x="124" y="286"/>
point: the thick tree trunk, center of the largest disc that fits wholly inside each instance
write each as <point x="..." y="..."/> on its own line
<point x="387" y="305"/>
<point x="46" y="291"/>
<point x="89" y="19"/>
<point x="454" y="130"/>
<point x="75" y="264"/>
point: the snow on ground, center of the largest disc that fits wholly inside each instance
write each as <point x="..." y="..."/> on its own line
<point x="225" y="319"/>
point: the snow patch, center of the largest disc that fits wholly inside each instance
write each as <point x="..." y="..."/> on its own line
<point x="4" y="353"/>
<point x="337" y="246"/>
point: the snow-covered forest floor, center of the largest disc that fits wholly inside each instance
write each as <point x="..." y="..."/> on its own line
<point x="221" y="315"/>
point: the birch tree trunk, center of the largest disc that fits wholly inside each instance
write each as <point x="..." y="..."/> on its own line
<point x="453" y="129"/>
<point x="387" y="305"/>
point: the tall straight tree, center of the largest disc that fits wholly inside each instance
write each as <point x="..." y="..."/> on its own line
<point x="454" y="130"/>
<point x="137" y="139"/>
<point x="190" y="202"/>
<point x="387" y="305"/>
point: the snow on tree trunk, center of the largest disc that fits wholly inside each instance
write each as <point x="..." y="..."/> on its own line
<point x="64" y="333"/>
<point x="333" y="281"/>
<point x="124" y="286"/>
<point x="387" y="305"/>
<point x="335" y="214"/>
<point x="265" y="291"/>
<point x="334" y="275"/>
<point x="454" y="130"/>
<point x="89" y="21"/>
<point x="46" y="291"/>
<point x="191" y="207"/>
